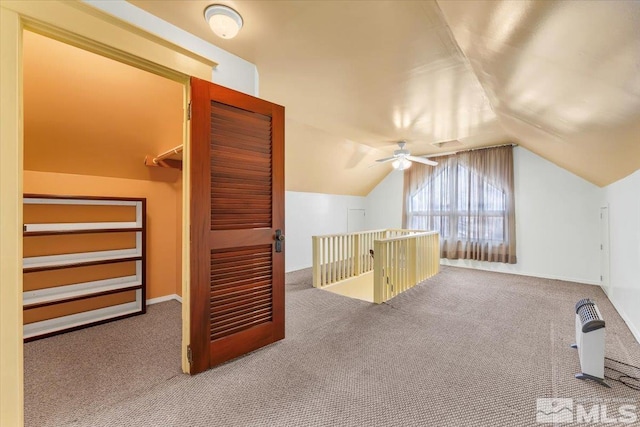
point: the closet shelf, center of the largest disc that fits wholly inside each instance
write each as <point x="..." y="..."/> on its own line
<point x="78" y="228"/>
<point x="49" y="296"/>
<point x="80" y="320"/>
<point x="83" y="259"/>
<point x="169" y="159"/>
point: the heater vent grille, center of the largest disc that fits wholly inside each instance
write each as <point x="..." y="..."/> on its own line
<point x="590" y="317"/>
<point x="582" y="302"/>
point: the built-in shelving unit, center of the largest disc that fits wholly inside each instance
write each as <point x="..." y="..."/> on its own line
<point x="83" y="291"/>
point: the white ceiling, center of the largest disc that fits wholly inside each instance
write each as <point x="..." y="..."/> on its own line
<point x="560" y="78"/>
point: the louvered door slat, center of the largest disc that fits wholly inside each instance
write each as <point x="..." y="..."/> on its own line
<point x="238" y="317"/>
<point x="254" y="300"/>
<point x="240" y="131"/>
<point x="234" y="293"/>
<point x="240" y="169"/>
<point x="240" y="124"/>
<point x="227" y="330"/>
<point x="236" y="287"/>
<point x="232" y="114"/>
<point x="246" y="185"/>
<point x="243" y="154"/>
<point x="246" y="140"/>
<point x="240" y="287"/>
<point x="235" y="315"/>
<point x="248" y="158"/>
<point x="233" y="193"/>
<point x="248" y="143"/>
<point x="240" y="271"/>
<point x="255" y="306"/>
<point x="221" y="198"/>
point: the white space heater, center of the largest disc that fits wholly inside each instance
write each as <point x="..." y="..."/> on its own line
<point x="590" y="341"/>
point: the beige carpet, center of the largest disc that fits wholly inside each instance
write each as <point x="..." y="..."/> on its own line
<point x="465" y="348"/>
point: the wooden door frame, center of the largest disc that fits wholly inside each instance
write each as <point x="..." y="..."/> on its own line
<point x="83" y="26"/>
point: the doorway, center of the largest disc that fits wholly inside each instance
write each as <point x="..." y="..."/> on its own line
<point x="356" y="220"/>
<point x="89" y="121"/>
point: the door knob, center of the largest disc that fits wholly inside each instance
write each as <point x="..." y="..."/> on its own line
<point x="279" y="239"/>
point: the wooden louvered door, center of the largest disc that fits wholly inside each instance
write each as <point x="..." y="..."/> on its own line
<point x="237" y="212"/>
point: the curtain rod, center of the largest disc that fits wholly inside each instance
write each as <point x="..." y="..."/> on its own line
<point x="449" y="153"/>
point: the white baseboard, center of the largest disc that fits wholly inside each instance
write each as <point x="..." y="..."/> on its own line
<point x="165" y="298"/>
<point x="634" y="331"/>
<point x="477" y="266"/>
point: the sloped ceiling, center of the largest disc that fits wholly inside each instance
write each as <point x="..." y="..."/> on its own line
<point x="560" y="78"/>
<point x="353" y="73"/>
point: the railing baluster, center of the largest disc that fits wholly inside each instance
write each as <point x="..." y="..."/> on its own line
<point x="338" y="260"/>
<point x="333" y="259"/>
<point x="324" y="262"/>
<point x="343" y="258"/>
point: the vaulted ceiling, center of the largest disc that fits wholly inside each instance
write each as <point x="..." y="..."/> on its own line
<point x="559" y="78"/>
<point x="562" y="79"/>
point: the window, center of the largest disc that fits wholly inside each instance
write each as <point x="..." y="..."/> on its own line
<point x="468" y="199"/>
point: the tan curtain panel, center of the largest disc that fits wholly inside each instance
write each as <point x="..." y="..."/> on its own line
<point x="468" y="198"/>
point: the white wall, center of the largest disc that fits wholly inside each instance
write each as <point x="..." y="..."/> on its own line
<point x="313" y="214"/>
<point x="232" y="71"/>
<point x="623" y="199"/>
<point x="384" y="203"/>
<point x="557" y="221"/>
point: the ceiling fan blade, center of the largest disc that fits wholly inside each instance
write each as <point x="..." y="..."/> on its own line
<point x="422" y="160"/>
<point x="386" y="159"/>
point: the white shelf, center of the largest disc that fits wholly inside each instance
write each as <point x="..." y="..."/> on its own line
<point x="81" y="226"/>
<point x="79" y="258"/>
<point x="78" y="201"/>
<point x="61" y="293"/>
<point x="80" y="319"/>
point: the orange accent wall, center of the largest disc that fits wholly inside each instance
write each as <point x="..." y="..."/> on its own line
<point x="89" y="115"/>
<point x="163" y="217"/>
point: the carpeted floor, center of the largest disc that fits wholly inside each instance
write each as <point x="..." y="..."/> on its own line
<point x="465" y="348"/>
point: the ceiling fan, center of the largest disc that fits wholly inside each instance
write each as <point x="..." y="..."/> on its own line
<point x="402" y="158"/>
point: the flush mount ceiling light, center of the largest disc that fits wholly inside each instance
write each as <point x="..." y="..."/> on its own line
<point x="224" y="21"/>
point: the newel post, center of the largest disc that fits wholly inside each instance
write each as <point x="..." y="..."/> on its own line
<point x="378" y="272"/>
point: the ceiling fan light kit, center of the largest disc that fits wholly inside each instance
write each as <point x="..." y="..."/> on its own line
<point x="402" y="158"/>
<point x="401" y="164"/>
<point x="224" y="21"/>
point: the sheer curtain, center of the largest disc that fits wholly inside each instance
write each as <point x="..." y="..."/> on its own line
<point x="468" y="198"/>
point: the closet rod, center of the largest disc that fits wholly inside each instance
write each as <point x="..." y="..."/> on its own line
<point x="168" y="153"/>
<point x="163" y="159"/>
